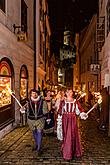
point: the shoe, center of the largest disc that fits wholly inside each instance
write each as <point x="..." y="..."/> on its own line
<point x="39" y="153"/>
<point x="34" y="148"/>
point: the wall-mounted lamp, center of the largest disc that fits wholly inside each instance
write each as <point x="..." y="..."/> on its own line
<point x="21" y="35"/>
<point x="20" y="28"/>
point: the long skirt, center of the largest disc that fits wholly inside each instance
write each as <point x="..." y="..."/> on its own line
<point x="49" y="123"/>
<point x="71" y="146"/>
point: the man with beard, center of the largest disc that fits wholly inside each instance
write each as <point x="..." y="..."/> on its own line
<point x="37" y="108"/>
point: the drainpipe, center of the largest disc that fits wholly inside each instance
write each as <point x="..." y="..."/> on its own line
<point x="34" y="43"/>
<point x="45" y="43"/>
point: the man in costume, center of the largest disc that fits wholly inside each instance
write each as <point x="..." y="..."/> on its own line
<point x="69" y="109"/>
<point x="37" y="108"/>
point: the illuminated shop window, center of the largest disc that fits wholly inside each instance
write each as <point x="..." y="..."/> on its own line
<point x="23" y="83"/>
<point x="5" y="81"/>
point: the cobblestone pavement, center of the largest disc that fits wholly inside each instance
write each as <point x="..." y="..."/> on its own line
<point x="16" y="147"/>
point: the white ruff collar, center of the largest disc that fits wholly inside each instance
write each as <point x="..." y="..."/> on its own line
<point x="35" y="100"/>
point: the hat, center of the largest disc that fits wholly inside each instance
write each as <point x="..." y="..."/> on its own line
<point x="34" y="90"/>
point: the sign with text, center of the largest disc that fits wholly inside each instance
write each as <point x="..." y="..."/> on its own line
<point x="107" y="80"/>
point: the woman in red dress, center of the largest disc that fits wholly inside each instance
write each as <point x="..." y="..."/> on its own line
<point x="70" y="108"/>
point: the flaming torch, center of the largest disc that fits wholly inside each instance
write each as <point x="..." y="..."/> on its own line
<point x="82" y="95"/>
<point x="84" y="115"/>
<point x="98" y="102"/>
<point x="22" y="108"/>
<point x="13" y="95"/>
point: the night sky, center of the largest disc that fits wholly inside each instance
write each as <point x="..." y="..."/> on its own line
<point x="71" y="14"/>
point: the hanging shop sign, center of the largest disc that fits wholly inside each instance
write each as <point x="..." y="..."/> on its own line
<point x="95" y="68"/>
<point x="21" y="37"/>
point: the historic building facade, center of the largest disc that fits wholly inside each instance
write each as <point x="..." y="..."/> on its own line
<point x="24" y="53"/>
<point x="104" y="7"/>
<point x="16" y="59"/>
<point x="76" y="68"/>
<point x="89" y="60"/>
<point x="42" y="42"/>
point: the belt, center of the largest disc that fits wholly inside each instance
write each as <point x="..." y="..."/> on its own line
<point x="33" y="117"/>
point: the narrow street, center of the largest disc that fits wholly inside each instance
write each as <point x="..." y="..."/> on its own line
<point x="16" y="147"/>
<point x="54" y="54"/>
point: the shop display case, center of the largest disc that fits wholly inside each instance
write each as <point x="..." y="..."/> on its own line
<point x="7" y="114"/>
<point x="23" y="84"/>
<point x="5" y="97"/>
<point x="23" y="88"/>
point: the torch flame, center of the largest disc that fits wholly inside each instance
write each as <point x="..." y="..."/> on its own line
<point x="13" y="95"/>
<point x="83" y="94"/>
<point x="9" y="90"/>
<point x="100" y="100"/>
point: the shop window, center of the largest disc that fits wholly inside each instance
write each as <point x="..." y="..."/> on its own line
<point x="108" y="16"/>
<point x="24" y="16"/>
<point x="2" y="5"/>
<point x="5" y="81"/>
<point x="23" y="82"/>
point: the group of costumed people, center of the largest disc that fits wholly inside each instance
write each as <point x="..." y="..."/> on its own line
<point x="46" y="114"/>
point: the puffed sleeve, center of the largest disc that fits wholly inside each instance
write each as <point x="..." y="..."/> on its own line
<point x="77" y="110"/>
<point x="45" y="107"/>
<point x="81" y="109"/>
<point x="62" y="103"/>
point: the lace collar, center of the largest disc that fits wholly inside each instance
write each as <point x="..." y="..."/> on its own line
<point x="35" y="100"/>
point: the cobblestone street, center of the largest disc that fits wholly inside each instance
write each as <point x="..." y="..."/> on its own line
<point x="16" y="147"/>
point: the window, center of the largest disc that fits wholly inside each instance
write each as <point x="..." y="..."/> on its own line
<point x="101" y="4"/>
<point x="23" y="82"/>
<point x="40" y="43"/>
<point x="23" y="16"/>
<point x="5" y="83"/>
<point x="41" y="12"/>
<point x="2" y="5"/>
<point x="108" y="16"/>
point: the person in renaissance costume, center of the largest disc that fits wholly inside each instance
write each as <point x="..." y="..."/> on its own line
<point x="57" y="102"/>
<point x="49" y="124"/>
<point x="58" y="118"/>
<point x="69" y="109"/>
<point x="36" y="111"/>
<point x="59" y="98"/>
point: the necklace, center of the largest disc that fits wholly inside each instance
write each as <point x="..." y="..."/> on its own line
<point x="36" y="111"/>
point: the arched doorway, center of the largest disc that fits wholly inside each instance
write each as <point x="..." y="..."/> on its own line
<point x="23" y="91"/>
<point x="7" y="114"/>
<point x="23" y="84"/>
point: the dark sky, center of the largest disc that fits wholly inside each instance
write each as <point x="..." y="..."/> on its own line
<point x="72" y="14"/>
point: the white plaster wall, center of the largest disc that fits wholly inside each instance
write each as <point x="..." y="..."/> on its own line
<point x="19" y="54"/>
<point x="86" y="50"/>
<point x="105" y="54"/>
<point x="13" y="16"/>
